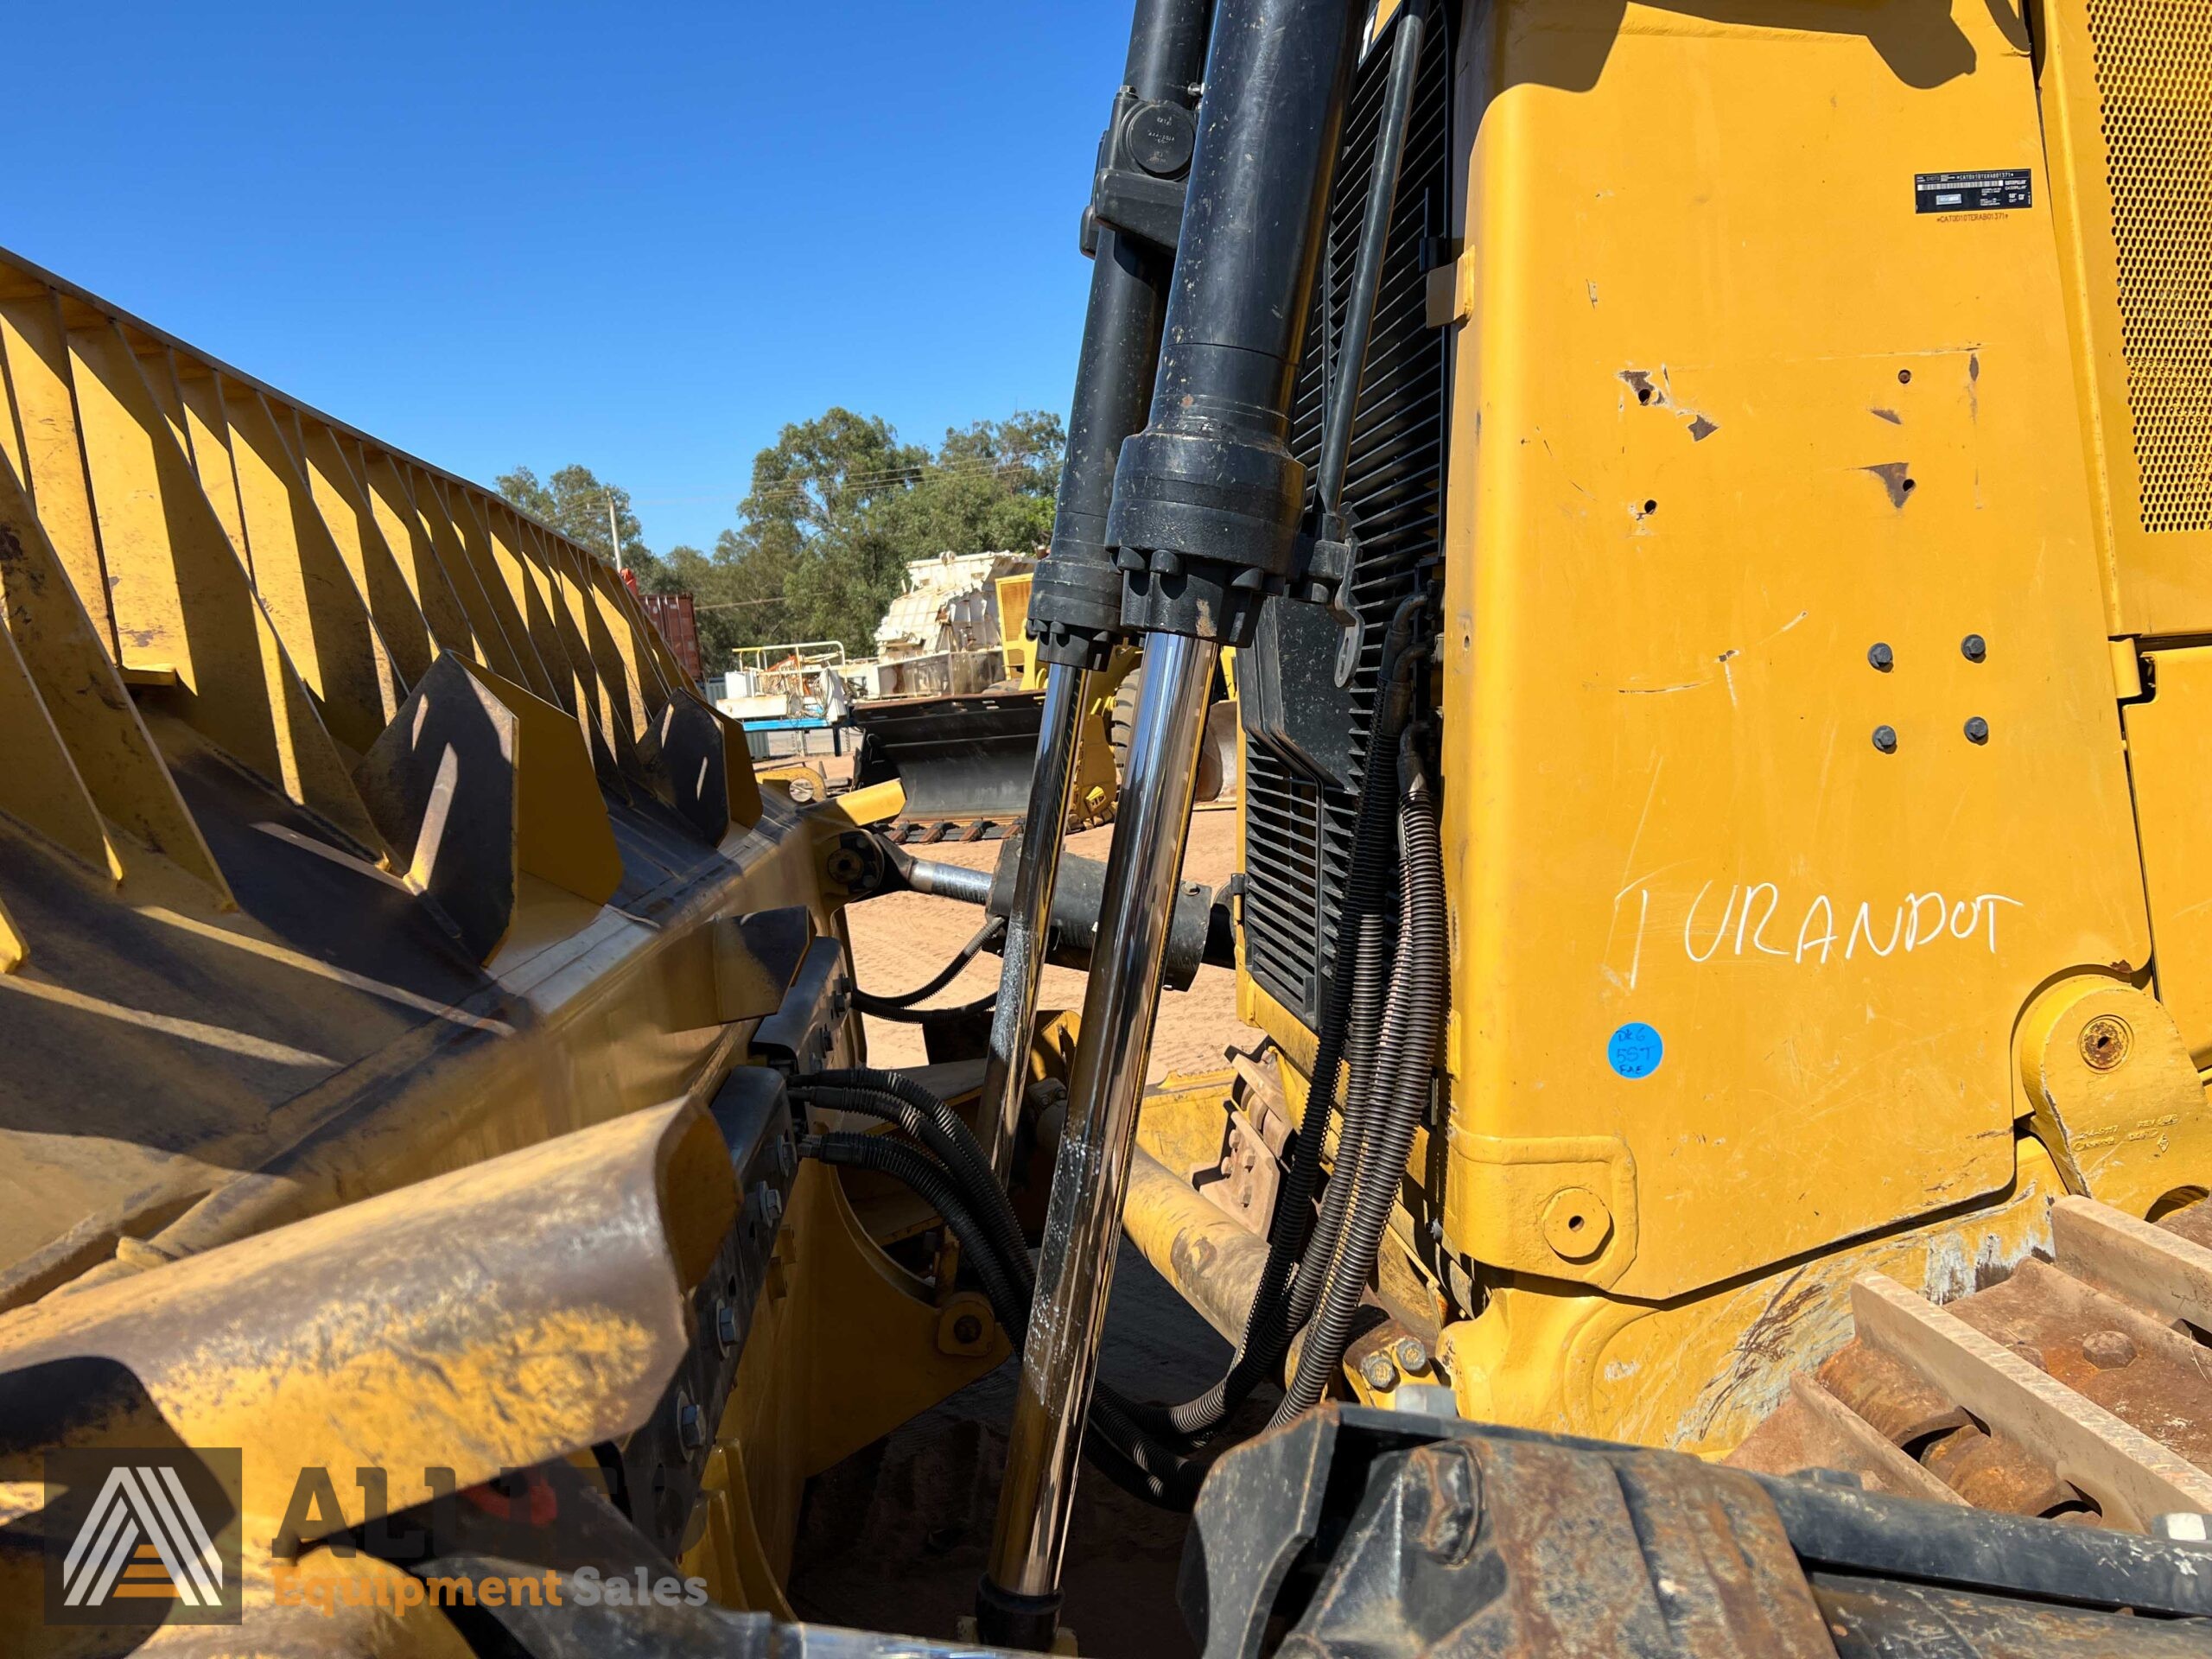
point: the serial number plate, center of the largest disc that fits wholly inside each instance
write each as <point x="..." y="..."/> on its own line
<point x="1972" y="193"/>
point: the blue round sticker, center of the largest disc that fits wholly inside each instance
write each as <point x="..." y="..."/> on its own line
<point x="1635" y="1049"/>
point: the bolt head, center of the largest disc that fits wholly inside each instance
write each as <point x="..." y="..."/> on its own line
<point x="1973" y="648"/>
<point x="1977" y="730"/>
<point x="1378" y="1371"/>
<point x="1885" y="738"/>
<point x="725" y="1325"/>
<point x="691" y="1424"/>
<point x="1881" y="656"/>
<point x="2104" y="1042"/>
<point x="967" y="1328"/>
<point x="1411" y="1353"/>
<point x="2108" y="1350"/>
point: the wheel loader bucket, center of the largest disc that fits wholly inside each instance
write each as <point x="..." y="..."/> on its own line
<point x="966" y="761"/>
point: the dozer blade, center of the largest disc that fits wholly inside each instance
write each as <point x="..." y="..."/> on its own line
<point x="965" y="761"/>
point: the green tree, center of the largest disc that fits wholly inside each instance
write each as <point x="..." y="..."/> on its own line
<point x="573" y="502"/>
<point x="839" y="505"/>
<point x="988" y="487"/>
<point x="737" y="603"/>
<point x="813" y="527"/>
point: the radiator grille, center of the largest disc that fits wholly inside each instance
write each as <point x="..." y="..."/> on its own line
<point x="1298" y="833"/>
<point x="2154" y="81"/>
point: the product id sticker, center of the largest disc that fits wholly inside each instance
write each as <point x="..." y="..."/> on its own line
<point x="1635" y="1049"/>
<point x="1972" y="192"/>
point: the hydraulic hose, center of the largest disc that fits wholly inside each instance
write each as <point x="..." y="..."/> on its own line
<point x="936" y="1126"/>
<point x="942" y="978"/>
<point x="913" y="1169"/>
<point x="1136" y="1462"/>
<point x="1330" y="1263"/>
<point x="906" y="1015"/>
<point x="1296" y="1237"/>
<point x="1374" y="948"/>
<point x="1411" y="1027"/>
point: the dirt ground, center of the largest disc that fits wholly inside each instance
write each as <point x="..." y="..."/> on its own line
<point x="895" y="1537"/>
<point x="899" y="941"/>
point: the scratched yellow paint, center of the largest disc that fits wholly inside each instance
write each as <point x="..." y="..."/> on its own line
<point x="1729" y="413"/>
<point x="1700" y="1374"/>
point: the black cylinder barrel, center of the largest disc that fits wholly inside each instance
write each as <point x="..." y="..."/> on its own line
<point x="1207" y="499"/>
<point x="1075" y="596"/>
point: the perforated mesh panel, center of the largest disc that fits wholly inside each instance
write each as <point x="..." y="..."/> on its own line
<point x="2154" y="81"/>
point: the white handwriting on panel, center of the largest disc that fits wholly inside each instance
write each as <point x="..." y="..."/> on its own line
<point x="1756" y="921"/>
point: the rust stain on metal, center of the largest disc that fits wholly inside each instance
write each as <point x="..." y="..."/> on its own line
<point x="1895" y="1402"/>
<point x="1992" y="1471"/>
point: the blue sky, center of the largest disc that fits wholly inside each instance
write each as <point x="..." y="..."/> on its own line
<point x="640" y="236"/>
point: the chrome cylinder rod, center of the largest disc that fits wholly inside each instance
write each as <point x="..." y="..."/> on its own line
<point x="1044" y="830"/>
<point x="1105" y="1087"/>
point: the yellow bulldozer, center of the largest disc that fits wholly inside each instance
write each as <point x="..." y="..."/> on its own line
<point x="1712" y="504"/>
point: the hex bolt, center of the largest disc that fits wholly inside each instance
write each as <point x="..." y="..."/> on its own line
<point x="967" y="1329"/>
<point x="725" y="1325"/>
<point x="2108" y="1350"/>
<point x="1973" y="648"/>
<point x="1378" y="1371"/>
<point x="1411" y="1354"/>
<point x="691" y="1424"/>
<point x="771" y="1208"/>
<point x="1881" y="656"/>
<point x="1977" y="730"/>
<point x="1885" y="738"/>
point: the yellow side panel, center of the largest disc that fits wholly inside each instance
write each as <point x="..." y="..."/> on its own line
<point x="1733" y="980"/>
<point x="2126" y="93"/>
<point x="2170" y="753"/>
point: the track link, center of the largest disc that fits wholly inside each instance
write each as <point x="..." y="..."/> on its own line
<point x="2078" y="1387"/>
